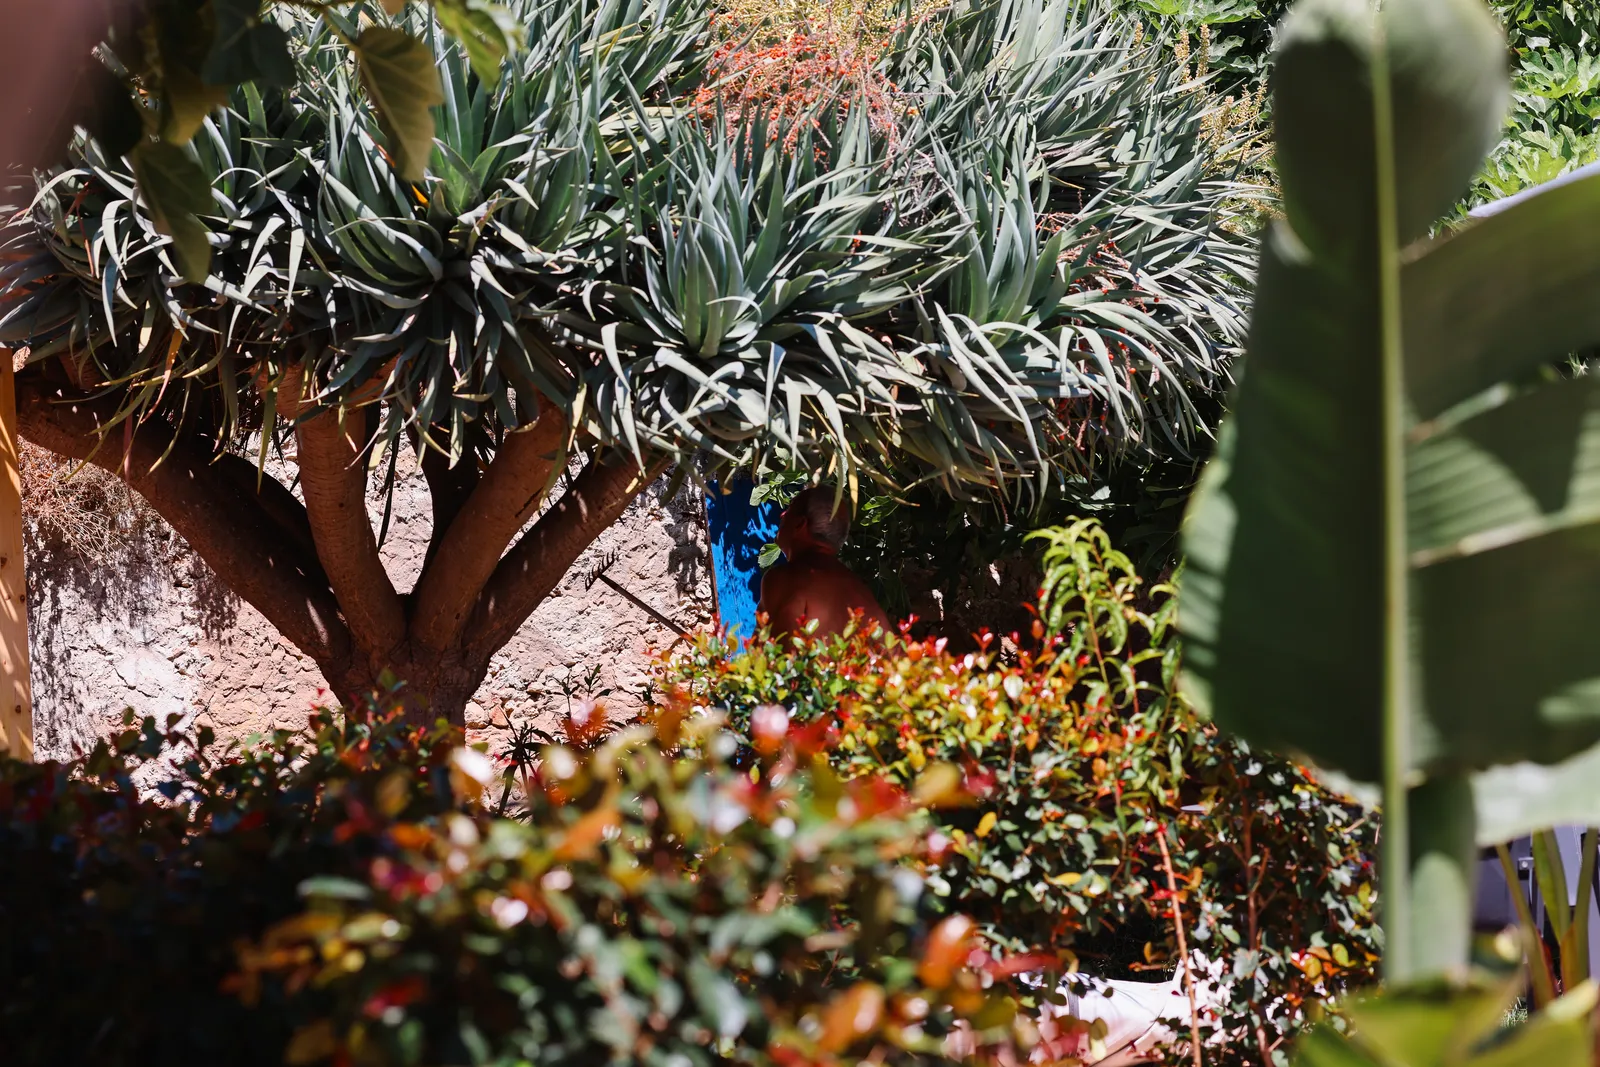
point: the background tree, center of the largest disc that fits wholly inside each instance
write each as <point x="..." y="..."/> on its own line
<point x="909" y="542"/>
<point x="936" y="272"/>
<point x="141" y="76"/>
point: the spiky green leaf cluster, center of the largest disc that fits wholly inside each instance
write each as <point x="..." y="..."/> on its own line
<point x="1019" y="277"/>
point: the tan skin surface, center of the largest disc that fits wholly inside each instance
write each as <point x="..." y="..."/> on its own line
<point x="811" y="583"/>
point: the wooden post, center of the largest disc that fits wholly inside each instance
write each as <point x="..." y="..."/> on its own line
<point x="16" y="688"/>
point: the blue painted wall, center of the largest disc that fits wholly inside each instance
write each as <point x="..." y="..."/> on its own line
<point x="738" y="530"/>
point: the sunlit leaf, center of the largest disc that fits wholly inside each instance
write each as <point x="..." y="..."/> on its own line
<point x="186" y="100"/>
<point x="583" y="840"/>
<point x="1517" y="799"/>
<point x="487" y="31"/>
<point x="399" y="74"/>
<point x="851" y="1015"/>
<point x="333" y="887"/>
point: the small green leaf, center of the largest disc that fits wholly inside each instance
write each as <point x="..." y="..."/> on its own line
<point x="176" y="190"/>
<point x="487" y="31"/>
<point x="399" y="75"/>
<point x="769" y="555"/>
<point x="331" y="887"/>
<point x="186" y="101"/>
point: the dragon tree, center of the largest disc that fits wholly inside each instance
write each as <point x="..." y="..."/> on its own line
<point x="982" y="247"/>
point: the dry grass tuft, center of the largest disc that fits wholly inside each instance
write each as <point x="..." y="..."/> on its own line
<point x="858" y="21"/>
<point x="89" y="512"/>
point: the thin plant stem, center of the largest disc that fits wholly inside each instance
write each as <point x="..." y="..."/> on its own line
<point x="1550" y="873"/>
<point x="1253" y="874"/>
<point x="1398" y="959"/>
<point x="1576" y="966"/>
<point x="1183" y="947"/>
<point x="1544" y="987"/>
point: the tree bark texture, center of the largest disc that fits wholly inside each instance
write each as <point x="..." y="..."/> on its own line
<point x="313" y="569"/>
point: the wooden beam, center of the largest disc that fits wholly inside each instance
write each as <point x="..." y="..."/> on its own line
<point x="16" y="688"/>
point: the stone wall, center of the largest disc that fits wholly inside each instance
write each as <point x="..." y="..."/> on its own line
<point x="125" y="616"/>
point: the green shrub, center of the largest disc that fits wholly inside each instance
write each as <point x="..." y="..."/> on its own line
<point x="1079" y="761"/>
<point x="1554" y="125"/>
<point x="341" y="895"/>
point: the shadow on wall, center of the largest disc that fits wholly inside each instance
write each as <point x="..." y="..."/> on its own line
<point x="683" y="517"/>
<point x="122" y="613"/>
<point x="101" y="566"/>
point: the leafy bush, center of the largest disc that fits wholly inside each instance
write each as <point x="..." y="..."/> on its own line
<point x="993" y="257"/>
<point x="120" y="908"/>
<point x="1554" y="125"/>
<point x="340" y="895"/>
<point x="1238" y="33"/>
<point x="1082" y="762"/>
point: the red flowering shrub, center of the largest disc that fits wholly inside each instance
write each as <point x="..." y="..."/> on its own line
<point x="119" y="911"/>
<point x="791" y="81"/>
<point x="342" y="895"/>
<point x="1078" y="762"/>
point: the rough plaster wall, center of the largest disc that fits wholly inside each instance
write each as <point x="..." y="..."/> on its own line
<point x="147" y="626"/>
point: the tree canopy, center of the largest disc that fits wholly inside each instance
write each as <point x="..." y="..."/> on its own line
<point x="990" y="257"/>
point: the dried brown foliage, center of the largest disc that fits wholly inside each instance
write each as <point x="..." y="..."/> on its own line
<point x="83" y="509"/>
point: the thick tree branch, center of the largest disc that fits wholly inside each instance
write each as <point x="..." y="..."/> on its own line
<point x="594" y="500"/>
<point x="214" y="509"/>
<point x="506" y="497"/>
<point x="333" y="479"/>
<point x="448" y="490"/>
<point x="279" y="504"/>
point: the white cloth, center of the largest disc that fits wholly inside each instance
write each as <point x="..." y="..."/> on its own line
<point x="1113" y="1023"/>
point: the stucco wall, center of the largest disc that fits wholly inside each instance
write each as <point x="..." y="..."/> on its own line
<point x="138" y="621"/>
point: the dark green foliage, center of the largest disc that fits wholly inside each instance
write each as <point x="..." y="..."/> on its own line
<point x="948" y="545"/>
<point x="1075" y="759"/>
